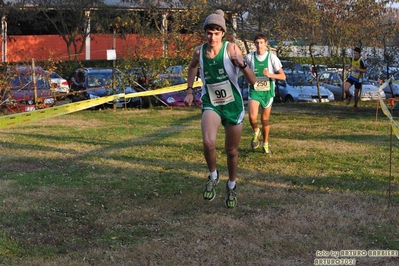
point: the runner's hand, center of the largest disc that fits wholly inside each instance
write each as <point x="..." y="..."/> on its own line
<point x="236" y="57"/>
<point x="188" y="100"/>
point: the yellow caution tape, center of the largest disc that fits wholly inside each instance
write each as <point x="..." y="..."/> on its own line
<point x="174" y="88"/>
<point x="385" y="110"/>
<point x="37" y="115"/>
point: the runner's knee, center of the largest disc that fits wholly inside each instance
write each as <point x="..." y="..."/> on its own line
<point x="265" y="122"/>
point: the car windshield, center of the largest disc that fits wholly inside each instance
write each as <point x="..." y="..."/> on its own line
<point x="54" y="75"/>
<point x="300" y="79"/>
<point x="170" y="81"/>
<point x="139" y="72"/>
<point x="177" y="70"/>
<point x="102" y="79"/>
<point x="25" y="81"/>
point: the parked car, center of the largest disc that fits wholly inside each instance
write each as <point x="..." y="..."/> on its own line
<point x="301" y="87"/>
<point x="310" y="69"/>
<point x="91" y="83"/>
<point x="141" y="78"/>
<point x="332" y="80"/>
<point x="392" y="89"/>
<point x="394" y="85"/>
<point x="380" y="74"/>
<point x="290" y="66"/>
<point x="177" y="70"/>
<point x="369" y="92"/>
<point x="244" y="86"/>
<point x="175" y="98"/>
<point x="27" y="90"/>
<point x="59" y="85"/>
<point x="368" y="86"/>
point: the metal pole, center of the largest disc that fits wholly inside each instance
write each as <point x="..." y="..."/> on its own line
<point x="392" y="103"/>
<point x="4" y="39"/>
<point x="34" y="82"/>
<point x="88" y="41"/>
<point x="164" y="31"/>
<point x="113" y="70"/>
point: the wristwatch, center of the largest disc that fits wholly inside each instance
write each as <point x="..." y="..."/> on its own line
<point x="244" y="66"/>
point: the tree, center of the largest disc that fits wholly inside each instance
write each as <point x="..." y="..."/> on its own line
<point x="387" y="37"/>
<point x="340" y="24"/>
<point x="69" y="18"/>
<point x="262" y="16"/>
<point x="168" y="21"/>
<point x="306" y="15"/>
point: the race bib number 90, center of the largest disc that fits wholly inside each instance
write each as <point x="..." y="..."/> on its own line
<point x="262" y="84"/>
<point x="220" y="93"/>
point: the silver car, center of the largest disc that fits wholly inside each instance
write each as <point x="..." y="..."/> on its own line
<point x="301" y="87"/>
<point x="392" y="89"/>
<point x="369" y="92"/>
<point x="332" y="80"/>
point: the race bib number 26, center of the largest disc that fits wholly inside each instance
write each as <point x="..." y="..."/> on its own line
<point x="220" y="93"/>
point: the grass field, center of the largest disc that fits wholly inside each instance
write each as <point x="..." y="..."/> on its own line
<point x="125" y="188"/>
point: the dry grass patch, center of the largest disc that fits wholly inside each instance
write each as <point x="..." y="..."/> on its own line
<point x="128" y="190"/>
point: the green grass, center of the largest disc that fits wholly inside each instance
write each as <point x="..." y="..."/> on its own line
<point x="125" y="188"/>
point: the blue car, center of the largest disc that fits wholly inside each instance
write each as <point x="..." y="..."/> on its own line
<point x="91" y="83"/>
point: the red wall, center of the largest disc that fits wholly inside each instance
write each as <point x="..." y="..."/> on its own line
<point x="43" y="47"/>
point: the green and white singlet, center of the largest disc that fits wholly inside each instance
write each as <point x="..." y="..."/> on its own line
<point x="263" y="90"/>
<point x="220" y="90"/>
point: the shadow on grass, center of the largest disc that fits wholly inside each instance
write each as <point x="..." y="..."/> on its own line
<point x="141" y="196"/>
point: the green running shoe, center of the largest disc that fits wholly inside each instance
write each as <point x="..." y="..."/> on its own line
<point x="210" y="188"/>
<point x="266" y="149"/>
<point x="255" y="140"/>
<point x="231" y="197"/>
